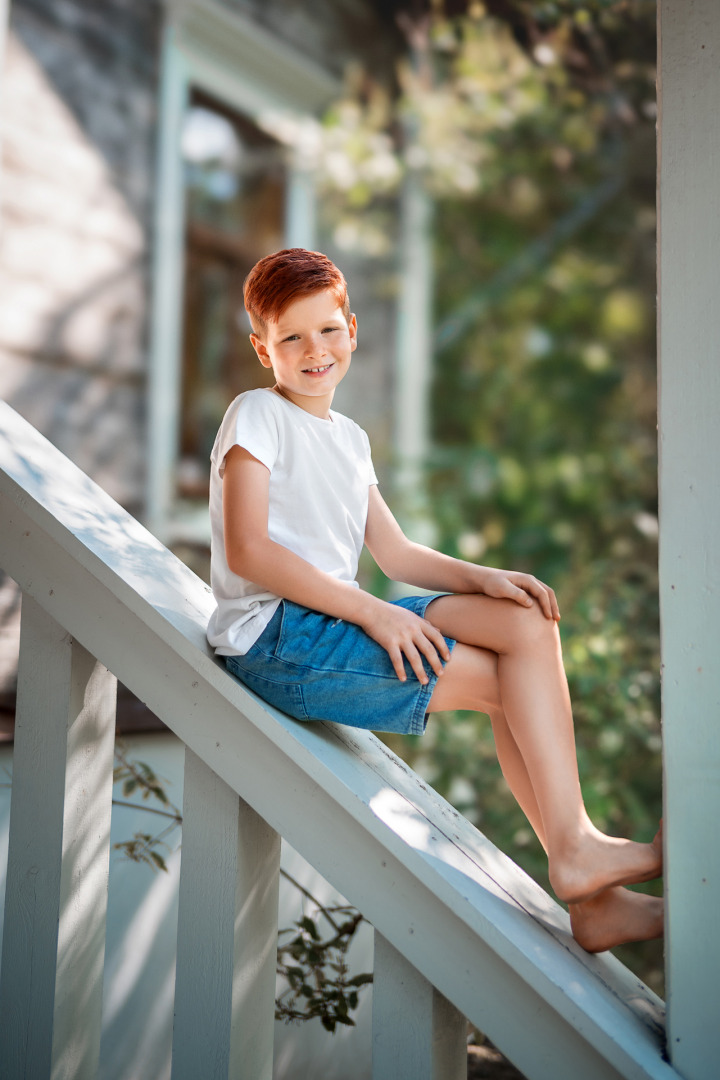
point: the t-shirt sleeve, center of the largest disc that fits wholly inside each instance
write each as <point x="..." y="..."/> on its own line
<point x="372" y="477"/>
<point x="250" y="422"/>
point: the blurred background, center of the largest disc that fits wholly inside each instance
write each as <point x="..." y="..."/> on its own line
<point x="484" y="174"/>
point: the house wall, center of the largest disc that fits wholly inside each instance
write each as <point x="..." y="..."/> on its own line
<point x="330" y="32"/>
<point x="77" y="131"/>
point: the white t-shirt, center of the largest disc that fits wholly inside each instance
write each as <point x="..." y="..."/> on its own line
<point x="320" y="475"/>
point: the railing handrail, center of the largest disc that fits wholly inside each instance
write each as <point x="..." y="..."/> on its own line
<point x="454" y="906"/>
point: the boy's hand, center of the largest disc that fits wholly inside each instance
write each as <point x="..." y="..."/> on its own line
<point x="522" y="588"/>
<point x="402" y="633"/>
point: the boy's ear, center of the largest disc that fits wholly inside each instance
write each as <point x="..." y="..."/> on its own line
<point x="259" y="346"/>
<point x="352" y="327"/>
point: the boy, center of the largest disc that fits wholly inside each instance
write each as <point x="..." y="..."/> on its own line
<point x="293" y="498"/>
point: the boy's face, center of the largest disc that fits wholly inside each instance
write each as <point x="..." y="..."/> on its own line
<point x="309" y="348"/>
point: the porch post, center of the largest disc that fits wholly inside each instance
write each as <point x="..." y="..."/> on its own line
<point x="227" y="934"/>
<point x="167" y="276"/>
<point x="689" y="428"/>
<point x="4" y="21"/>
<point x="4" y="18"/>
<point x="58" y="857"/>
<point x="417" y="1033"/>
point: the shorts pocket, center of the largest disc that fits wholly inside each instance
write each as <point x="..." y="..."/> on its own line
<point x="284" y="695"/>
<point x="300" y="635"/>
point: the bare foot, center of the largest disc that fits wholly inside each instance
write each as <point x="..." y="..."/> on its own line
<point x="615" y="917"/>
<point x="595" y="862"/>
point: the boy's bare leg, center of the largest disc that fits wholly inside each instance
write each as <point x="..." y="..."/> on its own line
<point x="475" y="684"/>
<point x="616" y="915"/>
<point x="515" y="773"/>
<point x="535" y="702"/>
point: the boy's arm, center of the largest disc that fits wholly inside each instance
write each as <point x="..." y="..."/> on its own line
<point x="254" y="556"/>
<point x="402" y="560"/>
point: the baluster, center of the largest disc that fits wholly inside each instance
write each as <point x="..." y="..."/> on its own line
<point x="417" y="1033"/>
<point x="227" y="934"/>
<point x="56" y="899"/>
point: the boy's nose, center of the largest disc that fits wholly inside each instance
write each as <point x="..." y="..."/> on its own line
<point x="316" y="346"/>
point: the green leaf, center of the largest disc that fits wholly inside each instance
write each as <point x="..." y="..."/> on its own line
<point x="309" y="926"/>
<point x="158" y="860"/>
<point x="360" y="980"/>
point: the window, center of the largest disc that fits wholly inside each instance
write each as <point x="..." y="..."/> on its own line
<point x="235" y="183"/>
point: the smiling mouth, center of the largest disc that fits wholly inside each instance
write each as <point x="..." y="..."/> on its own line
<point x="317" y="370"/>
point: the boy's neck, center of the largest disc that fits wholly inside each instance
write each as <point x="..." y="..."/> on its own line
<point x="316" y="406"/>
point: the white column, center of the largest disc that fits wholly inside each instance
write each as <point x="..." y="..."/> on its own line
<point x="300" y="204"/>
<point x="689" y="426"/>
<point x="414" y="357"/>
<point x="4" y="19"/>
<point x="54" y="937"/>
<point x="227" y="934"/>
<point x="168" y="265"/>
<point x="417" y="1033"/>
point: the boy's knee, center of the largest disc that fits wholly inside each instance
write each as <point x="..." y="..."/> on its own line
<point x="532" y="626"/>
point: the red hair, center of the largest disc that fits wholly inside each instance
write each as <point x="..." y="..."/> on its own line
<point x="277" y="280"/>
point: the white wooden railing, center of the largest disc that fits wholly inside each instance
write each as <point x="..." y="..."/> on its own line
<point x="460" y="931"/>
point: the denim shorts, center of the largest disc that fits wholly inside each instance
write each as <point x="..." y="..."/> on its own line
<point x="315" y="667"/>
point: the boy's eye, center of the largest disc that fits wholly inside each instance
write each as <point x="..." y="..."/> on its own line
<point x="325" y="330"/>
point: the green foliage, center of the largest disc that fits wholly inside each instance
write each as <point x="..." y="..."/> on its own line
<point x="544" y="401"/>
<point x="315" y="968"/>
<point x="532" y="125"/>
